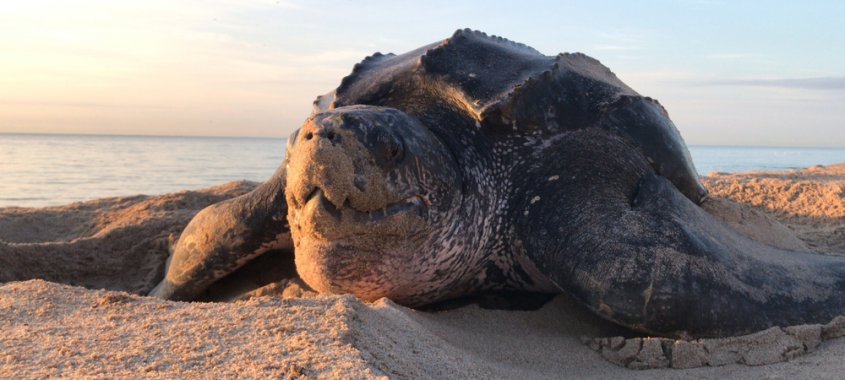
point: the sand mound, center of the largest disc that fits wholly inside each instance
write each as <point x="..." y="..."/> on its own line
<point x="115" y="243"/>
<point x="47" y="329"/>
<point x="52" y="330"/>
<point x="810" y="202"/>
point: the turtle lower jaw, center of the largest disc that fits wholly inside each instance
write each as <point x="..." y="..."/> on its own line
<point x="367" y="272"/>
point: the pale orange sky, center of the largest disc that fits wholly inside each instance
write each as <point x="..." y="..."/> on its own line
<point x="728" y="73"/>
<point x="151" y="67"/>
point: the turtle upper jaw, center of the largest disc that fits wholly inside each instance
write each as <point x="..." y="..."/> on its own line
<point x="414" y="202"/>
<point x="320" y="217"/>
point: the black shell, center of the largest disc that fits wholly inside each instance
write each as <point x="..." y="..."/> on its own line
<point x="507" y="87"/>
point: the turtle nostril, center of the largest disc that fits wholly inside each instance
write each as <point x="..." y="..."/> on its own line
<point x="309" y="136"/>
<point x="359" y="183"/>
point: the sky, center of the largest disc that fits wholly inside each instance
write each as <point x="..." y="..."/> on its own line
<point x="728" y="72"/>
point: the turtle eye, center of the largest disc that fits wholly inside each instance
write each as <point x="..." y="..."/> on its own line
<point x="386" y="145"/>
<point x="394" y="153"/>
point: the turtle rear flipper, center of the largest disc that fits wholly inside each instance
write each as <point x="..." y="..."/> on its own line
<point x="698" y="277"/>
<point x="636" y="251"/>
<point x="224" y="236"/>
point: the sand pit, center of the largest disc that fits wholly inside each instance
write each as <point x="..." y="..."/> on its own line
<point x="51" y="329"/>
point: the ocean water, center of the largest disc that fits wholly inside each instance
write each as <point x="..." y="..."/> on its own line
<point x="43" y="170"/>
<point x="741" y="159"/>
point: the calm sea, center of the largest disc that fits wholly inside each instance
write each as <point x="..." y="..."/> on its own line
<point x="41" y="170"/>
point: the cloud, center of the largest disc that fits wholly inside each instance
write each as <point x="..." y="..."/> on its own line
<point x="732" y="56"/>
<point x="706" y="3"/>
<point x="626" y="36"/>
<point x="819" y="83"/>
<point x="79" y="104"/>
<point x="619" y="44"/>
<point x="611" y="48"/>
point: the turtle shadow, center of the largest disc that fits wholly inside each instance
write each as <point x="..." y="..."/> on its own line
<point x="273" y="274"/>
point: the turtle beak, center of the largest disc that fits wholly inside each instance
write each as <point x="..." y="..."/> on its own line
<point x="345" y="160"/>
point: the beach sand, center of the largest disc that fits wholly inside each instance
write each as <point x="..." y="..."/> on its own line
<point x="63" y="330"/>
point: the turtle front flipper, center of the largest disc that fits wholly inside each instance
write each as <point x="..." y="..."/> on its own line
<point x="224" y="236"/>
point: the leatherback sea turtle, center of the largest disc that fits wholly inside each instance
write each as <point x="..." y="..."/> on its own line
<point x="477" y="163"/>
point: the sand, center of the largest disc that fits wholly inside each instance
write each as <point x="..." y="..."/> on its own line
<point x="48" y="329"/>
<point x="809" y="202"/>
<point x="116" y="243"/>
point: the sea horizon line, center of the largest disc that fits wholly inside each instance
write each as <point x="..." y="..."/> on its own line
<point x="139" y="135"/>
<point x="701" y="145"/>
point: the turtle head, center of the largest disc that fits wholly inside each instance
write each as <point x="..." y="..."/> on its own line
<point x="371" y="192"/>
